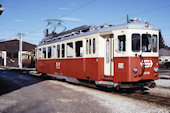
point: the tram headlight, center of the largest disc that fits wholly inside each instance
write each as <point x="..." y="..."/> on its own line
<point x="156" y="69"/>
<point x="135" y="69"/>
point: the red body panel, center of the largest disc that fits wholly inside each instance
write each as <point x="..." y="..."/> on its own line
<point x="126" y="74"/>
<point x="93" y="68"/>
<point x="82" y="68"/>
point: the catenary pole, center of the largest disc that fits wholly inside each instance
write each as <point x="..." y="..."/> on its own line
<point x="20" y="50"/>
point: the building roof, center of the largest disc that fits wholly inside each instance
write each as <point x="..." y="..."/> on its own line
<point x="164" y="52"/>
<point x="2" y="41"/>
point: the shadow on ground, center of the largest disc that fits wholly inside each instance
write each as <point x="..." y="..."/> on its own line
<point x="13" y="80"/>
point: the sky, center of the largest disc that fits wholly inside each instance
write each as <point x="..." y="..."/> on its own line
<point x="30" y="16"/>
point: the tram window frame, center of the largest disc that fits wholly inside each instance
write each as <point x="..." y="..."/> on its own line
<point x="44" y="52"/>
<point x="155" y="45"/>
<point x="122" y="38"/>
<point x="70" y="49"/>
<point x="58" y="51"/>
<point x="78" y="48"/>
<point x="146" y="43"/>
<point x="136" y="42"/>
<point x="94" y="45"/>
<point x="63" y="50"/>
<point x="39" y="53"/>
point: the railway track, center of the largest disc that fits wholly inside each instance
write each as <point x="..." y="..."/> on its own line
<point x="138" y="95"/>
<point x="148" y="97"/>
<point x="143" y="95"/>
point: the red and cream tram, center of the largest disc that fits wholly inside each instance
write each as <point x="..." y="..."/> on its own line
<point x="122" y="56"/>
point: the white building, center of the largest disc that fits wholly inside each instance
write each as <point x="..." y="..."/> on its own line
<point x="164" y="57"/>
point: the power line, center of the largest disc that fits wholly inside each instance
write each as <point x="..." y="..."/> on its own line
<point x="82" y="6"/>
<point x="59" y="22"/>
<point x="150" y="10"/>
<point x="142" y="12"/>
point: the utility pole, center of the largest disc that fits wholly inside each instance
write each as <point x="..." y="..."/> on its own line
<point x="20" y="49"/>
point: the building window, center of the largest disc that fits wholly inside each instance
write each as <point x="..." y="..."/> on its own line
<point x="90" y="46"/>
<point x="79" y="49"/>
<point x="15" y="55"/>
<point x="94" y="45"/>
<point x="70" y="49"/>
<point x="44" y="52"/>
<point x="135" y="42"/>
<point x="63" y="50"/>
<point x="154" y="38"/>
<point x="39" y="53"/>
<point x="49" y="52"/>
<point x="122" y="43"/>
<point x="146" y="43"/>
<point x="9" y="55"/>
<point x="58" y="51"/>
<point x="87" y="45"/>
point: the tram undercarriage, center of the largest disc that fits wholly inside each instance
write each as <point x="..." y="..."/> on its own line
<point x="106" y="84"/>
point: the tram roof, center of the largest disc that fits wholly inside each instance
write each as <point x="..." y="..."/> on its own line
<point x="99" y="29"/>
<point x="135" y="25"/>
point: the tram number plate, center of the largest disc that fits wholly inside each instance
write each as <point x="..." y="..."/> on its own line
<point x="120" y="65"/>
<point x="57" y="65"/>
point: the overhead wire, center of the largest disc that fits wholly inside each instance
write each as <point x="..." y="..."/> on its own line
<point x="150" y="10"/>
<point x="86" y="4"/>
<point x="82" y="6"/>
<point x="68" y="13"/>
<point x="142" y="12"/>
<point x="59" y="21"/>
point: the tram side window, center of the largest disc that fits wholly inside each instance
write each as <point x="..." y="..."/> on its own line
<point x="58" y="51"/>
<point x="79" y="49"/>
<point x="39" y="53"/>
<point x="122" y="42"/>
<point x="54" y="51"/>
<point x="49" y="52"/>
<point x="154" y="38"/>
<point x="63" y="50"/>
<point x="94" y="45"/>
<point x="135" y="42"/>
<point x="87" y="45"/>
<point x="90" y="46"/>
<point x="146" y="43"/>
<point x="70" y="49"/>
<point x="44" y="52"/>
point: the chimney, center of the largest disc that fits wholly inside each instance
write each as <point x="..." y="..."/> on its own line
<point x="46" y="33"/>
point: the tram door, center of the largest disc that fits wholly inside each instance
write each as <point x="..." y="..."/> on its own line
<point x="108" y="65"/>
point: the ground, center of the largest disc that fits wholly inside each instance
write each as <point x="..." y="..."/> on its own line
<point x="30" y="94"/>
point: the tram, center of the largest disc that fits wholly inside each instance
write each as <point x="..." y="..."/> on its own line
<point x="121" y="56"/>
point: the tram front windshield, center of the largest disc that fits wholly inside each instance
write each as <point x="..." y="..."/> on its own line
<point x="144" y="43"/>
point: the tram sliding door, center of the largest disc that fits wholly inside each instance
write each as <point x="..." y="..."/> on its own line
<point x="108" y="60"/>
